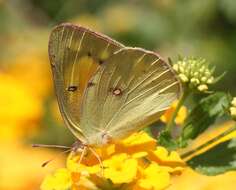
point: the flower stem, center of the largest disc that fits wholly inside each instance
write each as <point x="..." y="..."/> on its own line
<point x="171" y="122"/>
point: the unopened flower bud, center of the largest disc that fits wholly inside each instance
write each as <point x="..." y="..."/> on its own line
<point x="194" y="81"/>
<point x="202" y="69"/>
<point x="234" y="102"/>
<point x="202" y="87"/>
<point x="210" y="80"/>
<point x="195" y="72"/>
<point x="176" y="67"/>
<point x="207" y="73"/>
<point x="184" y="63"/>
<point x="181" y="69"/>
<point x="183" y="78"/>
<point x="233" y="112"/>
<point x="203" y="79"/>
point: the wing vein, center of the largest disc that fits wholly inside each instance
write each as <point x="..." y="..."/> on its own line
<point x="141" y="82"/>
<point x="78" y="49"/>
<point x="107" y="87"/>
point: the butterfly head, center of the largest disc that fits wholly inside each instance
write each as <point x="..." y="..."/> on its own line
<point x="78" y="146"/>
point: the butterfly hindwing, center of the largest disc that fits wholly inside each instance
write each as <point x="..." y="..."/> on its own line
<point x="131" y="90"/>
<point x="75" y="54"/>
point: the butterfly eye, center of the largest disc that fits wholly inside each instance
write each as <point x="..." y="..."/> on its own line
<point x="72" y="88"/>
<point x="106" y="138"/>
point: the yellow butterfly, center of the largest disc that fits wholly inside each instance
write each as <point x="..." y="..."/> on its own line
<point x="107" y="91"/>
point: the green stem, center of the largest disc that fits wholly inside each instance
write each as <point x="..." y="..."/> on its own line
<point x="184" y="96"/>
<point x="189" y="153"/>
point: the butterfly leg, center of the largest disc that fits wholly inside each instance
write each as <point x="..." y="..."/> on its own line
<point x="98" y="158"/>
<point x="82" y="155"/>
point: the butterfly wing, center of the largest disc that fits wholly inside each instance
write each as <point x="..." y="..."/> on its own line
<point x="130" y="91"/>
<point x="75" y="54"/>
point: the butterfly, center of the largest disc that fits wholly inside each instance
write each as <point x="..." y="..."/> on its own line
<point x="107" y="91"/>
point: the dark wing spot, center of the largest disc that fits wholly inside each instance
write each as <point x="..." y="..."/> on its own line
<point x="117" y="91"/>
<point x="52" y="60"/>
<point x="89" y="54"/>
<point x="100" y="61"/>
<point x="90" y="84"/>
<point x="72" y="88"/>
<point x="53" y="65"/>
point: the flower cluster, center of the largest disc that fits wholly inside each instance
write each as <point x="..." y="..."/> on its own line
<point x="195" y="72"/>
<point x="21" y="113"/>
<point x="133" y="163"/>
<point x="233" y="108"/>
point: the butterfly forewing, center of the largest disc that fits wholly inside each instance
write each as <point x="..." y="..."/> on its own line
<point x="75" y="54"/>
<point x="131" y="90"/>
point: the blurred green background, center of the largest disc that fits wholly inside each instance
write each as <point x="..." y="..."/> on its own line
<point x="28" y="109"/>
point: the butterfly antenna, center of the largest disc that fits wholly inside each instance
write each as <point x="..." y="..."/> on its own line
<point x="50" y="146"/>
<point x="48" y="161"/>
<point x="98" y="158"/>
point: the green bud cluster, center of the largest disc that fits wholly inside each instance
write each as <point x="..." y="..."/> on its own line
<point x="233" y="108"/>
<point x="195" y="72"/>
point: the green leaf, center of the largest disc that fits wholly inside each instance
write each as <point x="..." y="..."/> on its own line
<point x="204" y="115"/>
<point x="165" y="139"/>
<point x="219" y="159"/>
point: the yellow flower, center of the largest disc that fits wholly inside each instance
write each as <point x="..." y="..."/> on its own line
<point x="138" y="142"/>
<point x="85" y="184"/>
<point x="192" y="180"/>
<point x="84" y="167"/>
<point x="182" y="114"/>
<point x="24" y="82"/>
<point x="153" y="178"/>
<point x="32" y="69"/>
<point x="189" y="177"/>
<point x="120" y="169"/>
<point x="134" y="163"/>
<point x="60" y="180"/>
<point x="89" y="158"/>
<point x="163" y="157"/>
<point x="64" y="179"/>
<point x="19" y="108"/>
